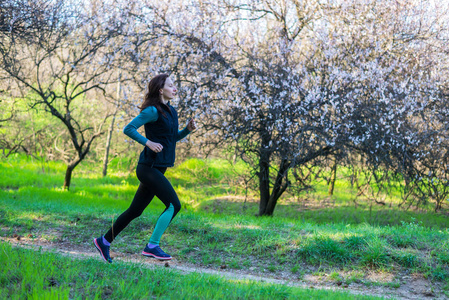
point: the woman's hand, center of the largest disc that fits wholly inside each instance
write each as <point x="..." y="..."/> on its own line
<point x="155" y="147"/>
<point x="191" y="126"/>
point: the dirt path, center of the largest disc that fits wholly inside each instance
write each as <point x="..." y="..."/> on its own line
<point x="410" y="287"/>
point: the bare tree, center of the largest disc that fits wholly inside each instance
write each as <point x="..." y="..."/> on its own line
<point x="59" y="62"/>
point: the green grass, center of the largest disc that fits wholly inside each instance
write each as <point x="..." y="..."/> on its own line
<point x="28" y="274"/>
<point x="215" y="186"/>
<point x="215" y="227"/>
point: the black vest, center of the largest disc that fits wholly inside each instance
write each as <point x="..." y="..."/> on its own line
<point x="165" y="132"/>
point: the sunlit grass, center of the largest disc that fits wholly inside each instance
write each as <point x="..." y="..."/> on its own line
<point x="213" y="186"/>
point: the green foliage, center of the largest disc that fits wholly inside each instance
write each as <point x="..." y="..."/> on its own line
<point x="375" y="253"/>
<point x="324" y="248"/>
<point x="442" y="254"/>
<point x="407" y="260"/>
<point x="354" y="242"/>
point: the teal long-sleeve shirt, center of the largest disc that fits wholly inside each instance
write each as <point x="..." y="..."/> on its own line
<point x="148" y="115"/>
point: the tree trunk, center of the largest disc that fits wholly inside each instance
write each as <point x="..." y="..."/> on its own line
<point x="279" y="188"/>
<point x="264" y="184"/>
<point x="68" y="176"/>
<point x="272" y="204"/>
<point x="110" y="130"/>
<point x="270" y="207"/>
<point x="333" y="178"/>
<point x="264" y="170"/>
<point x="108" y="145"/>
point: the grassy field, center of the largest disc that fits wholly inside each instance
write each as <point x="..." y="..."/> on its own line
<point x="215" y="228"/>
<point x="52" y="276"/>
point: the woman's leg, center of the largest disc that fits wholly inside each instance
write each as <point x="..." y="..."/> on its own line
<point x="165" y="192"/>
<point x="142" y="198"/>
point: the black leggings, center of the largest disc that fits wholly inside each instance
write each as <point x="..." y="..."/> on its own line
<point x="152" y="182"/>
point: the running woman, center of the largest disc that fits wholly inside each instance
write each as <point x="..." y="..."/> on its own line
<point x="160" y="121"/>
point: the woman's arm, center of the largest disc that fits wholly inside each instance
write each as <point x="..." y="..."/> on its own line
<point x="147" y="115"/>
<point x="188" y="129"/>
<point x="182" y="134"/>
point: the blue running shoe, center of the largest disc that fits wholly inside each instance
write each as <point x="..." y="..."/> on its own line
<point x="103" y="249"/>
<point x="156" y="252"/>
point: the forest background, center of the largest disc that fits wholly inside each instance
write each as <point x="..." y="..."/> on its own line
<point x="291" y="88"/>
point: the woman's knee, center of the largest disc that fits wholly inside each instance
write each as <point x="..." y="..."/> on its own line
<point x="176" y="208"/>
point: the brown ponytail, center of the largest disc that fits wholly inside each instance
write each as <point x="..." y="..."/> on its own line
<point x="152" y="97"/>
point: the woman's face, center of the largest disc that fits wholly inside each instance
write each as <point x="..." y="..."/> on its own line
<point x="169" y="90"/>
